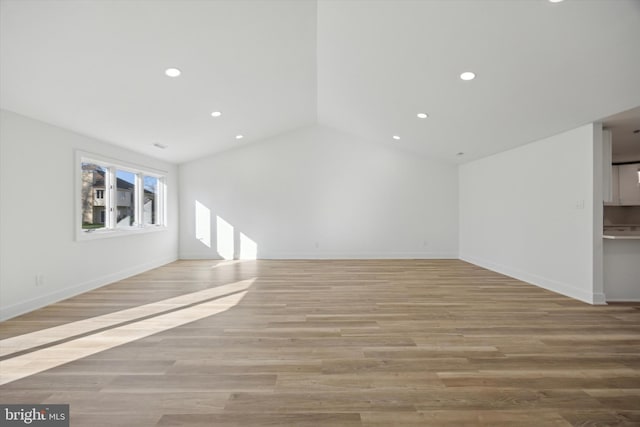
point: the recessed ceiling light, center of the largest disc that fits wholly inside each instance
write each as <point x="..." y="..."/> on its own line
<point x="422" y="115"/>
<point x="172" y="72"/>
<point x="460" y="154"/>
<point x="467" y="75"/>
<point x="396" y="137"/>
<point x="216" y="114"/>
<point x="161" y="146"/>
<point x="555" y="1"/>
<point x="239" y="136"/>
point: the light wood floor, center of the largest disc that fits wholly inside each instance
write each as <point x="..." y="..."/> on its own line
<point x="327" y="343"/>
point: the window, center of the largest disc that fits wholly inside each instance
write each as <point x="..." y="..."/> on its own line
<point x="115" y="197"/>
<point x="94" y="179"/>
<point x="126" y="200"/>
<point x="150" y="200"/>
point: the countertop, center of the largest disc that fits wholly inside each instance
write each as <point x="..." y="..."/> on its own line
<point x="621" y="236"/>
<point x="626" y="232"/>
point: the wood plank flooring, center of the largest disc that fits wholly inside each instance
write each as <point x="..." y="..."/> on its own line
<point x="327" y="343"/>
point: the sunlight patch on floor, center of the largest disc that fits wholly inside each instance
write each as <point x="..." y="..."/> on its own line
<point x="40" y="360"/>
<point x="68" y="330"/>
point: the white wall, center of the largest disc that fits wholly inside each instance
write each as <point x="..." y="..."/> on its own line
<point x="319" y="193"/>
<point x="37" y="219"/>
<point x="531" y="213"/>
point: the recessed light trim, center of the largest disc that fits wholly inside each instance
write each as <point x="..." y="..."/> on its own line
<point x="422" y="115"/>
<point x="160" y="146"/>
<point x="460" y="153"/>
<point x="216" y="114"/>
<point x="239" y="136"/>
<point x="172" y="72"/>
<point x="468" y="75"/>
<point x="396" y="137"/>
<point x="555" y="1"/>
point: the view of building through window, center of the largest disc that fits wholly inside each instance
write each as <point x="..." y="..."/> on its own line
<point x="93" y="202"/>
<point x="150" y="200"/>
<point x="118" y="198"/>
<point x="125" y="199"/>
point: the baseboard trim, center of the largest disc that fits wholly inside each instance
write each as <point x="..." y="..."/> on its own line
<point x="600" y="299"/>
<point x="71" y="291"/>
<point x="542" y="282"/>
<point x="335" y="255"/>
<point x="199" y="255"/>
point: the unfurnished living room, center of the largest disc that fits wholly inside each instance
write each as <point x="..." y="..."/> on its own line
<point x="320" y="213"/>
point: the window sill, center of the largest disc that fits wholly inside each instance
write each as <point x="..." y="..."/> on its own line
<point x="106" y="234"/>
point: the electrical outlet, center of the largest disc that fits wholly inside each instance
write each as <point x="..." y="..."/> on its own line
<point x="40" y="279"/>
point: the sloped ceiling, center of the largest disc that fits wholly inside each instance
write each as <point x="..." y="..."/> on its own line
<point x="364" y="67"/>
<point x="97" y="67"/>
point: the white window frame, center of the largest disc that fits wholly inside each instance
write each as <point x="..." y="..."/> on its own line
<point x="111" y="194"/>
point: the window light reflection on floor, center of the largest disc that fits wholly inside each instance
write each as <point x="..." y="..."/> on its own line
<point x="12" y="369"/>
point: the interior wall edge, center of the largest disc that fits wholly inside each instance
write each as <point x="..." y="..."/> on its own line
<point x="536" y="280"/>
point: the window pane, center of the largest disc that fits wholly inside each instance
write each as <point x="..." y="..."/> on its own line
<point x="125" y="199"/>
<point x="150" y="201"/>
<point x="93" y="201"/>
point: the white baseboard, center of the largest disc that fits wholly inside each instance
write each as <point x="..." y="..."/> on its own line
<point x="359" y="255"/>
<point x="335" y="255"/>
<point x="198" y="255"/>
<point x="543" y="282"/>
<point x="615" y="299"/>
<point x="68" y="292"/>
<point x="599" y="299"/>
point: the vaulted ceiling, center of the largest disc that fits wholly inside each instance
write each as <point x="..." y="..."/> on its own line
<point x="364" y="67"/>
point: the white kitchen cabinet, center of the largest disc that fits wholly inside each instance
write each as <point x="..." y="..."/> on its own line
<point x="625" y="185"/>
<point x="628" y="184"/>
<point x="615" y="187"/>
<point x="621" y="269"/>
